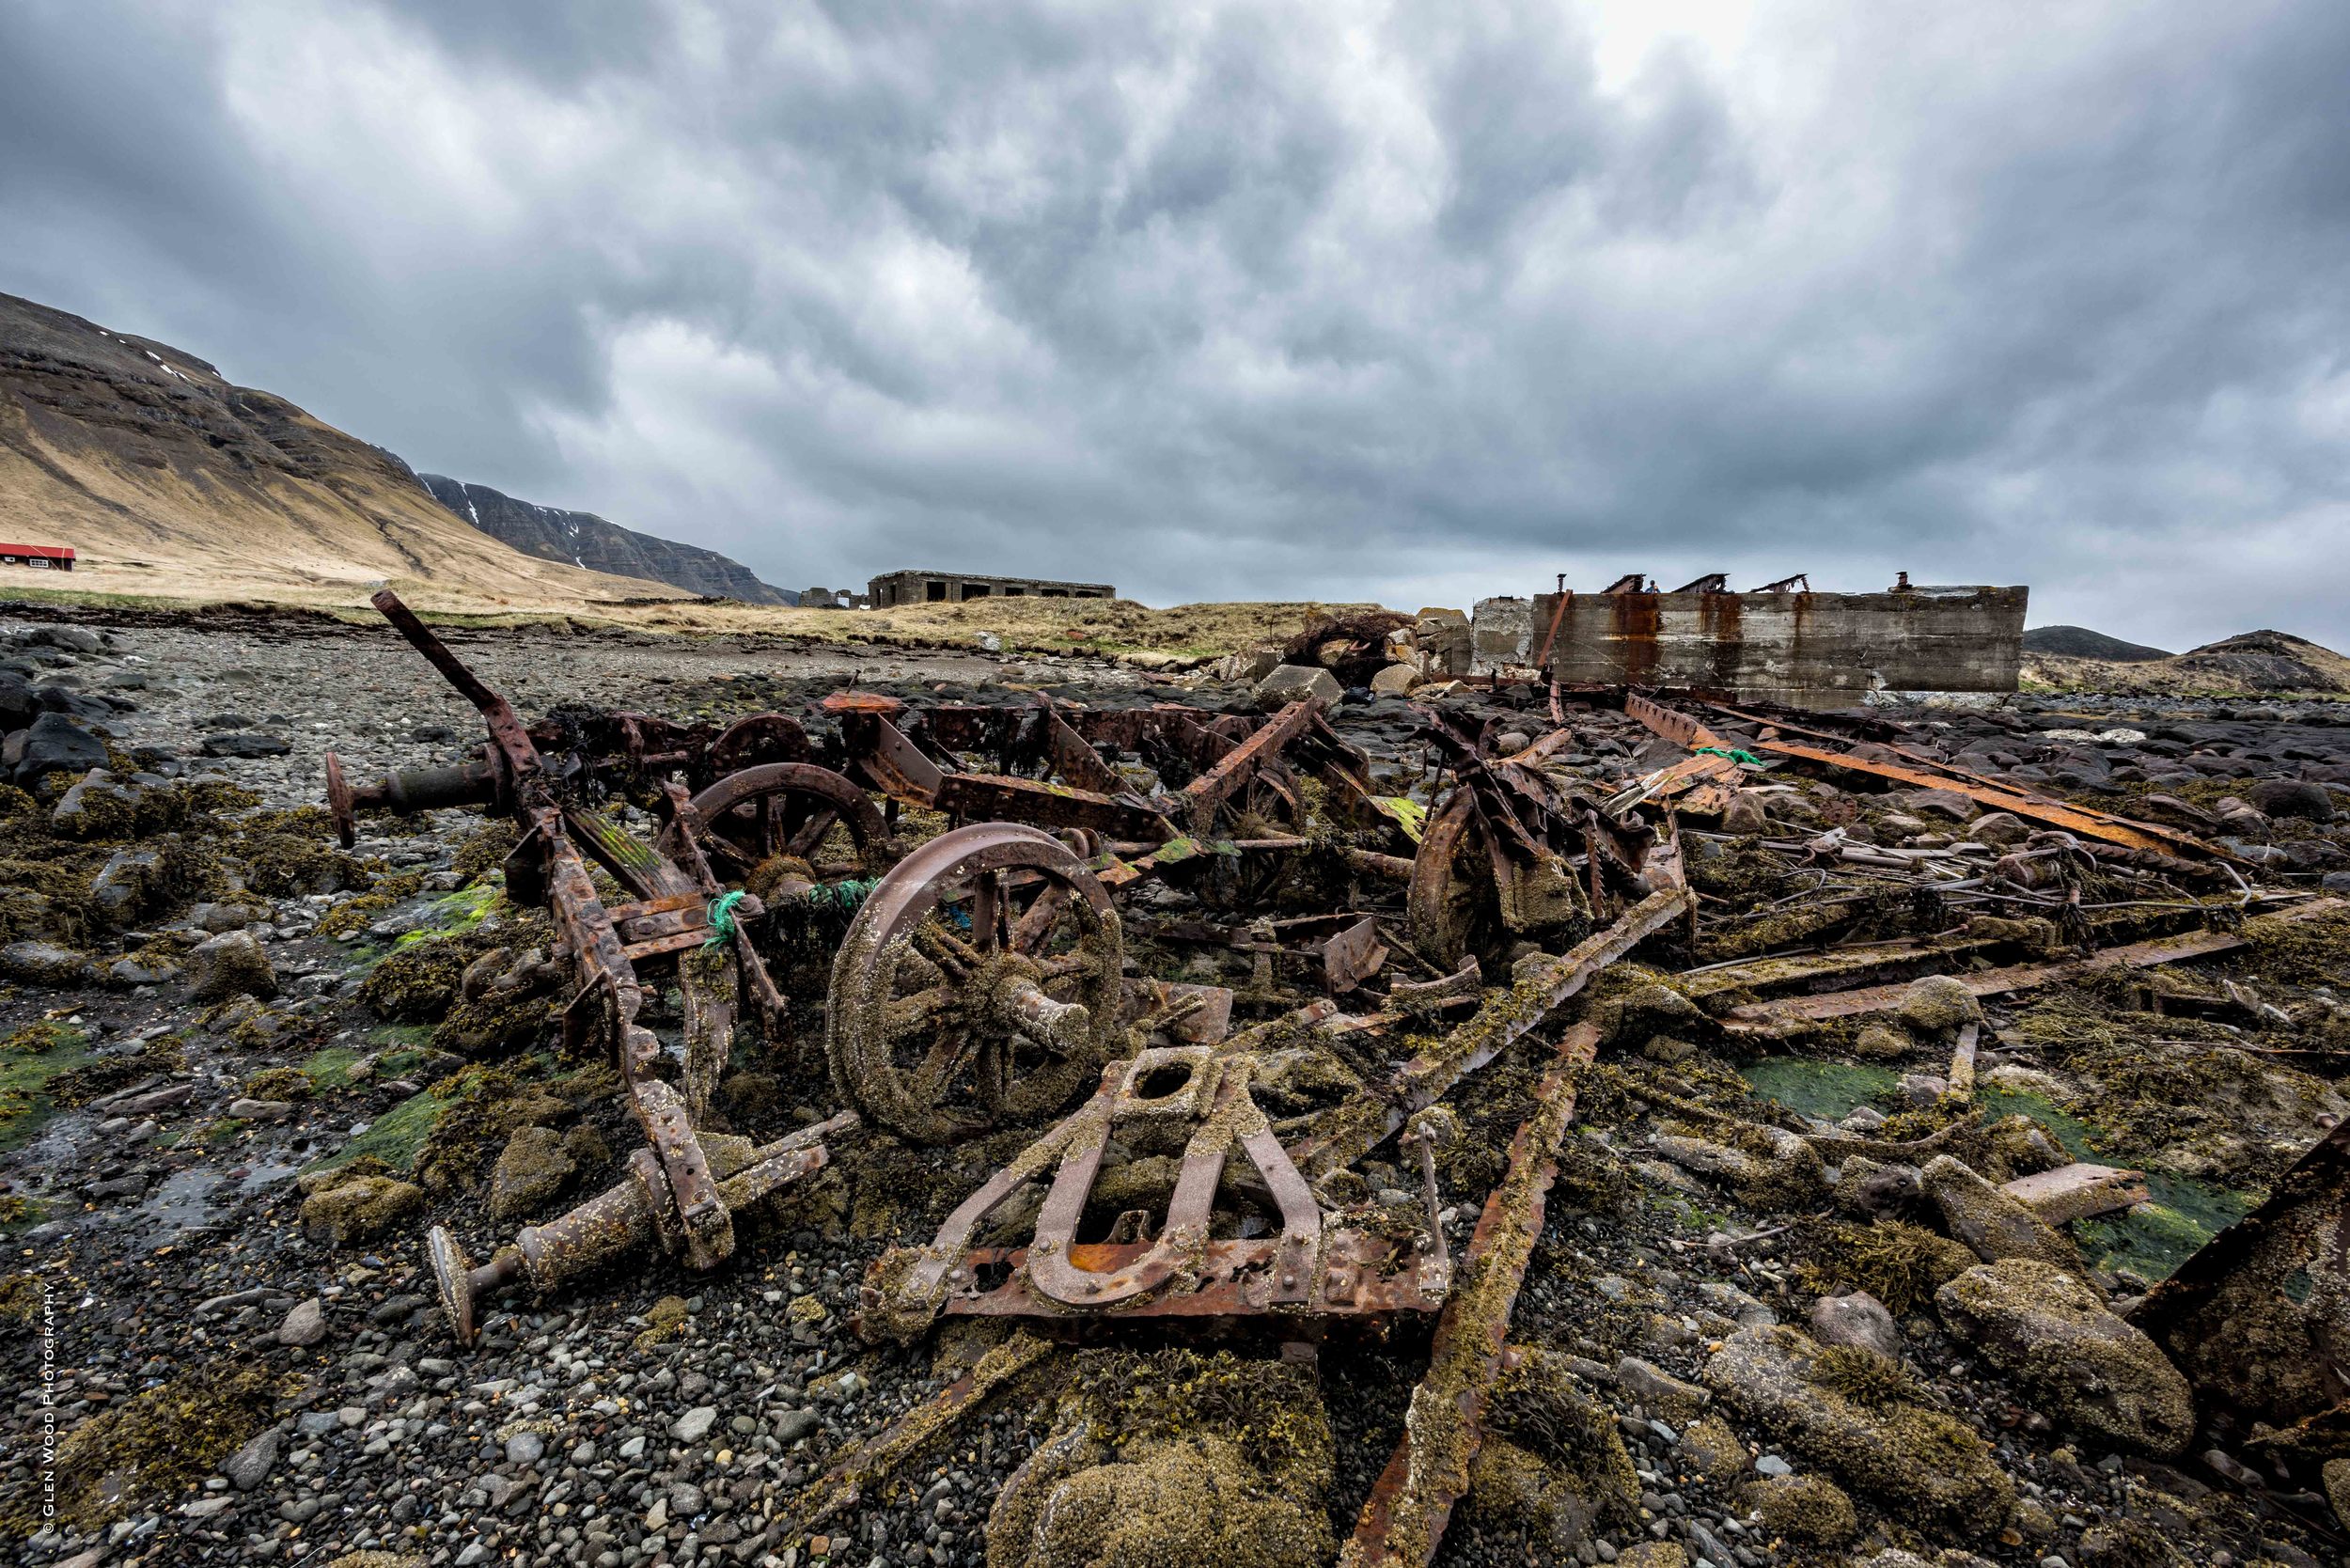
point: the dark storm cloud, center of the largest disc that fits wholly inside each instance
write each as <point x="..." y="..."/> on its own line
<point x="1418" y="302"/>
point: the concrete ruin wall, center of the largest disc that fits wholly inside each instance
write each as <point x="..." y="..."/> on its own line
<point x="1806" y="649"/>
<point x="952" y="588"/>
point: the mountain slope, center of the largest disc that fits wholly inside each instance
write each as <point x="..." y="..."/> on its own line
<point x="588" y="541"/>
<point x="167" y="479"/>
<point x="2080" y="642"/>
<point x="2247" y="663"/>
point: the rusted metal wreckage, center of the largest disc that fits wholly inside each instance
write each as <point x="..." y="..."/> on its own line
<point x="982" y="984"/>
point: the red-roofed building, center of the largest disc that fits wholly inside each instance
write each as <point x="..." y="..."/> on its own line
<point x="45" y="558"/>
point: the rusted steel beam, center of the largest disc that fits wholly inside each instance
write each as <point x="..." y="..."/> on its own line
<point x="853" y="1477"/>
<point x="2002" y="797"/>
<point x="2253" y="1317"/>
<point x="1927" y="774"/>
<point x="1203" y="795"/>
<point x="1403" y="1520"/>
<point x="1790" y="1014"/>
<point x="1001" y="797"/>
<point x="1355" y="1126"/>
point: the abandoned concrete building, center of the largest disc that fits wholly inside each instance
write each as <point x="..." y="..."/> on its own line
<point x="1778" y="643"/>
<point x="952" y="588"/>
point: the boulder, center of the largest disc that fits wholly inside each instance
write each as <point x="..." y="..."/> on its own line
<point x="1395" y="681"/>
<point x="2292" y="797"/>
<point x="1938" y="1005"/>
<point x="360" y="1209"/>
<point x="1944" y="803"/>
<point x="37" y="963"/>
<point x="1667" y="1397"/>
<point x="2000" y="829"/>
<point x="1811" y="1511"/>
<point x="233" y="963"/>
<point x="244" y="744"/>
<point x="305" y="1325"/>
<point x="1294" y="682"/>
<point x="1927" y="1467"/>
<point x="58" y="742"/>
<point x="533" y="1167"/>
<point x="127" y="887"/>
<point x="2056" y="1338"/>
<point x="1747" y="813"/>
<point x="1995" y="1224"/>
<point x="1858" y="1320"/>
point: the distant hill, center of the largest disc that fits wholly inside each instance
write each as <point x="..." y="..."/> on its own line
<point x="165" y="477"/>
<point x="2248" y="663"/>
<point x="582" y="539"/>
<point x="2080" y="642"/>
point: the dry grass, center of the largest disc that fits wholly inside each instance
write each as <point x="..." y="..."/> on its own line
<point x="1117" y="629"/>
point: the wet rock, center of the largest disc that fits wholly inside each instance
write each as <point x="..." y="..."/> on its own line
<point x="1293" y="682"/>
<point x="1926" y="1466"/>
<point x="1811" y="1511"/>
<point x="1747" y="813"/>
<point x="233" y="963"/>
<point x="2335" y="1478"/>
<point x="524" y="1448"/>
<point x="2292" y="797"/>
<point x="33" y="963"/>
<point x="1664" y="1394"/>
<point x="1938" y="1005"/>
<point x="1878" y="1044"/>
<point x="1712" y="1447"/>
<point x="360" y="1209"/>
<point x="2000" y="829"/>
<point x="56" y="743"/>
<point x="533" y="1167"/>
<point x="1784" y="1170"/>
<point x="1991" y="1222"/>
<point x="1856" y="1319"/>
<point x="305" y="1325"/>
<point x="99" y="803"/>
<point x="128" y="885"/>
<point x="244" y="744"/>
<point x="2057" y="1339"/>
<point x="250" y="1465"/>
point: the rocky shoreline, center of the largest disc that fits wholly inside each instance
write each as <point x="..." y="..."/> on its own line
<point x="212" y="1016"/>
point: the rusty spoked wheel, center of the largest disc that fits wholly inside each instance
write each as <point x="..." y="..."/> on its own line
<point x="794" y="809"/>
<point x="979" y="986"/>
<point x="1453" y="907"/>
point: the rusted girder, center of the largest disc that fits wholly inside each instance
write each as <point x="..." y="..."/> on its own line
<point x="1203" y="795"/>
<point x="2256" y="1318"/>
<point x="1403" y="1520"/>
<point x="1793" y="1014"/>
<point x="1355" y="1126"/>
<point x="1927" y="774"/>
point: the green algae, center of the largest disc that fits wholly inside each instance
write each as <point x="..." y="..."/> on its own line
<point x="1827" y="1090"/>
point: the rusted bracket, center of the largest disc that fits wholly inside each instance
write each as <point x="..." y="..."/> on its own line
<point x="1403" y="1520"/>
<point x="1307" y="1271"/>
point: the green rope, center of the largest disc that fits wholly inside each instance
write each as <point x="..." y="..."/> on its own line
<point x="722" y="926"/>
<point x="1749" y="757"/>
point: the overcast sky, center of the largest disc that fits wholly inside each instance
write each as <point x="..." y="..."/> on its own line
<point x="1408" y="302"/>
